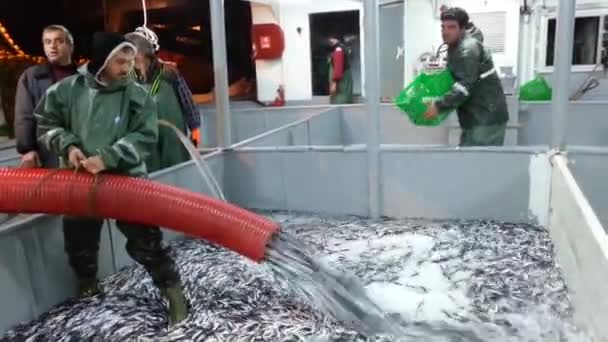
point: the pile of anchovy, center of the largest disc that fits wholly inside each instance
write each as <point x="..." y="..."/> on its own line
<point x="514" y="288"/>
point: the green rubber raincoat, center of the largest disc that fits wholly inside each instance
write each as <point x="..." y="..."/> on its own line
<point x="169" y="150"/>
<point x="119" y="122"/>
<point x="477" y="94"/>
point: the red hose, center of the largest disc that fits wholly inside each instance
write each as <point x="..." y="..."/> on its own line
<point x="63" y="192"/>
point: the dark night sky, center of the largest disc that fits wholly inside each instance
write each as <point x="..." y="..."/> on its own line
<point x="25" y="19"/>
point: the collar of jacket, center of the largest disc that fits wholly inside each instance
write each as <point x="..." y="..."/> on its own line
<point x="44" y="71"/>
<point x="153" y="70"/>
<point x="93" y="83"/>
<point x="458" y="42"/>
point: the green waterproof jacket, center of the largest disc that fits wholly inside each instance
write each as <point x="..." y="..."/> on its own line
<point x="477" y="94"/>
<point x="169" y="150"/>
<point x="117" y="122"/>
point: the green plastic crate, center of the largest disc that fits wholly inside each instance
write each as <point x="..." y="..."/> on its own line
<point x="425" y="88"/>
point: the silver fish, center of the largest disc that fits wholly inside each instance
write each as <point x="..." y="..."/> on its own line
<point x="506" y="271"/>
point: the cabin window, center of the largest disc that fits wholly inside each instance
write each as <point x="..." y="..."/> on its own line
<point x="586" y="41"/>
<point x="493" y="26"/>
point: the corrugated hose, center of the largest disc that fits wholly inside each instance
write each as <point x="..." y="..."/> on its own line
<point x="136" y="200"/>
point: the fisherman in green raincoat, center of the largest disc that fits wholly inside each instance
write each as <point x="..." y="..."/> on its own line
<point x="340" y="73"/>
<point x="173" y="100"/>
<point x="100" y="120"/>
<point x="477" y="94"/>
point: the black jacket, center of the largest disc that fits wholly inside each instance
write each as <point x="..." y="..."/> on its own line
<point x="31" y="87"/>
<point x="477" y="94"/>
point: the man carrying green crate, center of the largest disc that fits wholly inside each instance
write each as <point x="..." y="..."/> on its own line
<point x="477" y="94"/>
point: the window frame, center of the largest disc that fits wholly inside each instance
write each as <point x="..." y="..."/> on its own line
<point x="542" y="58"/>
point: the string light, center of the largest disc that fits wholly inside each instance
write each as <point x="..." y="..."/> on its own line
<point x="18" y="53"/>
<point x="10" y="41"/>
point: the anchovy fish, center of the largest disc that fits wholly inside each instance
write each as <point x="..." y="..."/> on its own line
<point x="500" y="279"/>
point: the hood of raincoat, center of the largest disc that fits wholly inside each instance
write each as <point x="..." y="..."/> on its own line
<point x="105" y="46"/>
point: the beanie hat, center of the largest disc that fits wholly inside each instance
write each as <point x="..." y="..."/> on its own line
<point x="105" y="46"/>
<point x="144" y="46"/>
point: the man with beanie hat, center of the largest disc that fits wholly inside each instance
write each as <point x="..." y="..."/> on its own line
<point x="101" y="121"/>
<point x="173" y="100"/>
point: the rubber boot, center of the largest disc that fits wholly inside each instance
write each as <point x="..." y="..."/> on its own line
<point x="178" y="306"/>
<point x="88" y="287"/>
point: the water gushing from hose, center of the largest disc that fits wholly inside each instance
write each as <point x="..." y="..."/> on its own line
<point x="199" y="161"/>
<point x="344" y="297"/>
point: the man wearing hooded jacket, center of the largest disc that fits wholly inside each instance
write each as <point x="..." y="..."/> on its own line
<point x="477" y="94"/>
<point x="100" y="120"/>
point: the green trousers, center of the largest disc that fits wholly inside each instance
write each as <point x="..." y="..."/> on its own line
<point x="492" y="135"/>
<point x="82" y="235"/>
<point x="344" y="89"/>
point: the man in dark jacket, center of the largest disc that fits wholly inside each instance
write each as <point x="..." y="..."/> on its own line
<point x="58" y="46"/>
<point x="477" y="93"/>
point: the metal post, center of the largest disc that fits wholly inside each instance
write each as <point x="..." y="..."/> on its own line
<point x="561" y="73"/>
<point x="372" y="103"/>
<point x="522" y="47"/>
<point x="220" y="69"/>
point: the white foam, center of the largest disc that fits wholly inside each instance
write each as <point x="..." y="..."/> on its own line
<point x="421" y="292"/>
<point x="395" y="298"/>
